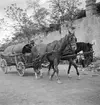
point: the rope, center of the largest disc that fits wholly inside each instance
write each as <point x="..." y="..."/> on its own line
<point x="73" y="55"/>
<point x="77" y="54"/>
<point x="12" y="55"/>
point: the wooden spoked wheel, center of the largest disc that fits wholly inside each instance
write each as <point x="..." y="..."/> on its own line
<point x="4" y="66"/>
<point x="21" y="68"/>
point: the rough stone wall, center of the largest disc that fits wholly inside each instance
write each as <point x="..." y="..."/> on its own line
<point x="88" y="30"/>
<point x="55" y="35"/>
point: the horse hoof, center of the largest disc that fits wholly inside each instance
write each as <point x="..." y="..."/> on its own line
<point x="69" y="76"/>
<point x="79" y="78"/>
<point x="84" y="73"/>
<point x="59" y="82"/>
<point x="37" y="78"/>
<point x="50" y="78"/>
<point x="41" y="76"/>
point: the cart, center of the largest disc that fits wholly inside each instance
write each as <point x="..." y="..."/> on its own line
<point x="13" y="56"/>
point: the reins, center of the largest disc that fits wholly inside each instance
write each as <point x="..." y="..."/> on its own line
<point x="73" y="55"/>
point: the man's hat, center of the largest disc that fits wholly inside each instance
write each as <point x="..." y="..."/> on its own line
<point x="72" y="27"/>
<point x="32" y="42"/>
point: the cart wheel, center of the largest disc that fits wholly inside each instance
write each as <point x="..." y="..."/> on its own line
<point x="21" y="68"/>
<point x="4" y="65"/>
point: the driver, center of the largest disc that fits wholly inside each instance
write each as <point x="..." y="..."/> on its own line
<point x="32" y="43"/>
<point x="72" y="29"/>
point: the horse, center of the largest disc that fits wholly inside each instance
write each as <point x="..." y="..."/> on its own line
<point x="87" y="55"/>
<point x="87" y="49"/>
<point x="87" y="58"/>
<point x="54" y="50"/>
<point x="71" y="56"/>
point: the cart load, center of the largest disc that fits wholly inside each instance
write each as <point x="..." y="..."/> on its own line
<point x="16" y="49"/>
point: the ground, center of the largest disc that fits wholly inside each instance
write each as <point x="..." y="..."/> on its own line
<point x="15" y="90"/>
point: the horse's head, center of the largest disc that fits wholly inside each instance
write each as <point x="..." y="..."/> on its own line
<point x="72" y="41"/>
<point x="90" y="46"/>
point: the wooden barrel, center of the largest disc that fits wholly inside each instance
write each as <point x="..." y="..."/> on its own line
<point x="14" y="49"/>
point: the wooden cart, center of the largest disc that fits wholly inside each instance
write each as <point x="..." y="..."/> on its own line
<point x="13" y="56"/>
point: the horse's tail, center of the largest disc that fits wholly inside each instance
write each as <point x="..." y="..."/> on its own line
<point x="45" y="57"/>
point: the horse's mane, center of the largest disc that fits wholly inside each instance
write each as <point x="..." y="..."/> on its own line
<point x="57" y="44"/>
<point x="63" y="43"/>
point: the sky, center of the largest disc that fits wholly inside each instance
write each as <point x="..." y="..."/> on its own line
<point x="22" y="4"/>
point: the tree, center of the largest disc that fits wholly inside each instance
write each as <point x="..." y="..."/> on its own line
<point x="22" y="22"/>
<point x="64" y="10"/>
<point x="2" y="22"/>
<point x="39" y="13"/>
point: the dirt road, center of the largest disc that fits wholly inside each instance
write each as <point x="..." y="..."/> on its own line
<point x="15" y="90"/>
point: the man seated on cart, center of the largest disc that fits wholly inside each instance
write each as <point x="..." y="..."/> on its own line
<point x="32" y="43"/>
<point x="27" y="50"/>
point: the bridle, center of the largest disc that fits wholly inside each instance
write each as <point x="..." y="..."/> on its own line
<point x="72" y="40"/>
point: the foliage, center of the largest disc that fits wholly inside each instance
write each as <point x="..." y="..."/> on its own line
<point x="64" y="10"/>
<point x="98" y="7"/>
<point x="26" y="27"/>
<point x="39" y="14"/>
<point x="6" y="44"/>
<point x="21" y="19"/>
<point x="2" y="22"/>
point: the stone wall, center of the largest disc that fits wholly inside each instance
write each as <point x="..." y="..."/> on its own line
<point x="55" y="35"/>
<point x="88" y="30"/>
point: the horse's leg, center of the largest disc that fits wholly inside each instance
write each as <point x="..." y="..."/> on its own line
<point x="36" y="75"/>
<point x="57" y="73"/>
<point x="68" y="72"/>
<point x="50" y="65"/>
<point x="51" y="76"/>
<point x="75" y="65"/>
<point x="55" y="69"/>
<point x="83" y="67"/>
<point x="41" y="73"/>
<point x="56" y="62"/>
<point x="51" y="59"/>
